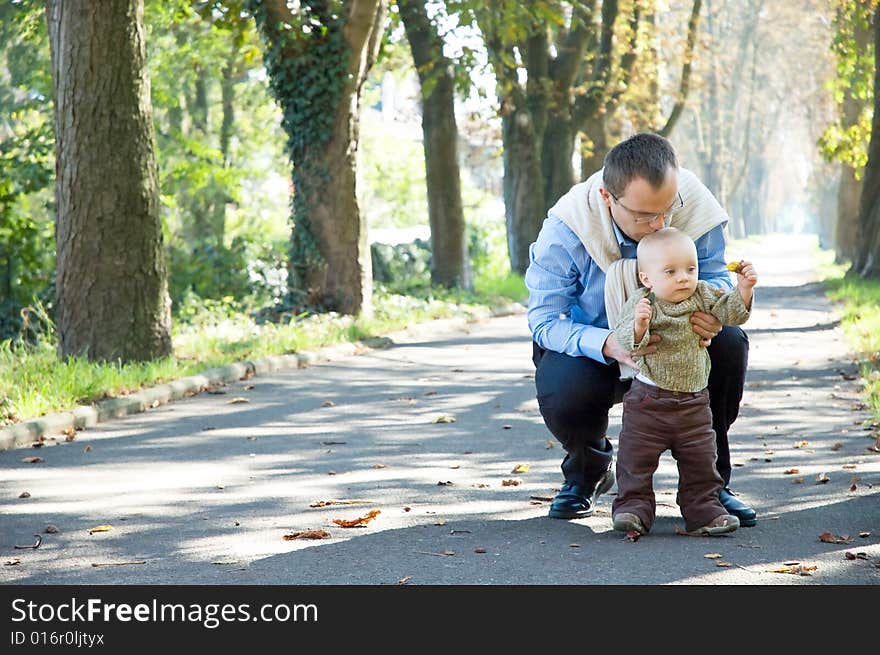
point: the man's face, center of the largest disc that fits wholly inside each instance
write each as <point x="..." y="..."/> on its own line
<point x="642" y="209"/>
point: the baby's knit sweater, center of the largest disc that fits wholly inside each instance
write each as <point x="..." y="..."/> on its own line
<point x="680" y="363"/>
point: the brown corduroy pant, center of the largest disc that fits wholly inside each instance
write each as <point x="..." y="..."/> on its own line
<point x="656" y="420"/>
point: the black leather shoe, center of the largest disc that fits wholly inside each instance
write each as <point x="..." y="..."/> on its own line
<point x="576" y="501"/>
<point x="747" y="516"/>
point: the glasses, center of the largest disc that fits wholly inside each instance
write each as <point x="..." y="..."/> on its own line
<point x="641" y="218"/>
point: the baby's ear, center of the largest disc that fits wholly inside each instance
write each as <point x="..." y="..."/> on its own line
<point x="644" y="280"/>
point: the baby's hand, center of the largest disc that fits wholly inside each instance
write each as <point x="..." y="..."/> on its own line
<point x="642" y="315"/>
<point x="746" y="275"/>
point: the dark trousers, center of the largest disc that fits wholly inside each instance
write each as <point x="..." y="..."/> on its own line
<point x="576" y="393"/>
<point x="656" y="420"/>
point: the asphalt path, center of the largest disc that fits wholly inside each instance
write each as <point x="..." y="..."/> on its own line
<point x="439" y="439"/>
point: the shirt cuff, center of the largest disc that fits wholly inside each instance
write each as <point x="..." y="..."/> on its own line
<point x="591" y="343"/>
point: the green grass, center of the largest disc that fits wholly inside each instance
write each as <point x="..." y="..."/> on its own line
<point x="34" y="381"/>
<point x="858" y="303"/>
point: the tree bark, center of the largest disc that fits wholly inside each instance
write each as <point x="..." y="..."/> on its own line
<point x="324" y="175"/>
<point x="868" y="262"/>
<point x="450" y="265"/>
<point x="111" y="283"/>
<point x="523" y="186"/>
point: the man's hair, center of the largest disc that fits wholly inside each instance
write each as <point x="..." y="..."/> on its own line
<point x="648" y="156"/>
<point x="655" y="240"/>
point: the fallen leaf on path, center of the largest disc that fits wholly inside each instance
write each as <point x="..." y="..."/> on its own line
<point x="831" y="538"/>
<point x="549" y="444"/>
<point x="237" y="400"/>
<point x="52" y="529"/>
<point x="12" y="562"/>
<point x="801" y="444"/>
<point x="430" y="392"/>
<point x="712" y="555"/>
<point x="791" y="471"/>
<point x="849" y="466"/>
<point x="511" y="483"/>
<point x="481" y="485"/>
<point x="327" y="503"/>
<point x="307" y="534"/>
<point x="479" y="550"/>
<point x="863" y="535"/>
<point x="798" y="481"/>
<point x="328" y="403"/>
<point x="363" y="520"/>
<point x="444" y="419"/>
<point x="822" y="478"/>
<point x="101" y="528"/>
<point x="506" y="427"/>
<point x="407" y="508"/>
<point x="249" y="387"/>
<point x="24" y="494"/>
<point x="632" y="536"/>
<point x="574" y="545"/>
<point x="546" y="499"/>
<point x="332" y="443"/>
<point x="520" y="468"/>
<point x="141" y="561"/>
<point x="87" y="449"/>
<point x="837" y="446"/>
<point x="853" y="486"/>
<point x="440" y="522"/>
<point x="723" y="564"/>
<point x="404" y="580"/>
<point x="454" y="531"/>
<point x="795" y="568"/>
<point x="448" y="483"/>
<point x="380" y="466"/>
<point x="32" y="460"/>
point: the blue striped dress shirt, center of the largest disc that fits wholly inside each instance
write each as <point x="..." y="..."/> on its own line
<point x="567" y="288"/>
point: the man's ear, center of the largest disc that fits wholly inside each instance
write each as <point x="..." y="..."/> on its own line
<point x="605" y="195"/>
<point x="644" y="280"/>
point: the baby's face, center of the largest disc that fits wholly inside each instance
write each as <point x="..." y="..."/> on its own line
<point x="670" y="270"/>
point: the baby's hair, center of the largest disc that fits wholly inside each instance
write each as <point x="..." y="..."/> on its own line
<point x="661" y="237"/>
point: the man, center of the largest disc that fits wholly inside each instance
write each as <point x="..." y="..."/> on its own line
<point x="582" y="267"/>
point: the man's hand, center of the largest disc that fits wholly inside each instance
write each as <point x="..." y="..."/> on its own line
<point x="613" y="350"/>
<point x="706" y="326"/>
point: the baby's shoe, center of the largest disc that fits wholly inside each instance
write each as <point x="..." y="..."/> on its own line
<point x="719" y="525"/>
<point x="626" y="522"/>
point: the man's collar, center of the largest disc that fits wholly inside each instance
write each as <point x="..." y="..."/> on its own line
<point x="622" y="239"/>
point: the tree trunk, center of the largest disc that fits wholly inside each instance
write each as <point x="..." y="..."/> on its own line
<point x="868" y="260"/>
<point x="556" y="159"/>
<point x="593" y="157"/>
<point x="524" y="209"/>
<point x="329" y="253"/>
<point x="847" y="224"/>
<point x="111" y="284"/>
<point x="445" y="212"/>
